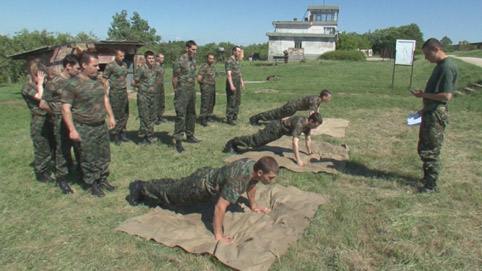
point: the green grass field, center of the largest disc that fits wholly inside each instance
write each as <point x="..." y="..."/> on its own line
<point x="373" y="221"/>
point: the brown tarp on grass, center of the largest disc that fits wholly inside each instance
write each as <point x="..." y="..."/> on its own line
<point x="333" y="158"/>
<point x="258" y="238"/>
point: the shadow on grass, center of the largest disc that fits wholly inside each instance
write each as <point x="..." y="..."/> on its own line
<point x="357" y="169"/>
<point x="205" y="209"/>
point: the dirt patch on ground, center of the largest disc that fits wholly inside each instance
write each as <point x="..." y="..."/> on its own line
<point x="266" y="91"/>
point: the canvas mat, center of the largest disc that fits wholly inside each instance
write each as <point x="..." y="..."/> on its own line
<point x="258" y="238"/>
<point x="333" y="158"/>
<point x="332" y="127"/>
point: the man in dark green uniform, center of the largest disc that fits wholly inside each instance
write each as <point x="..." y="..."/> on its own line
<point x="183" y="82"/>
<point x="207" y="80"/>
<point x="234" y="85"/>
<point x="52" y="97"/>
<point x="115" y="84"/>
<point x="84" y="105"/>
<point x="311" y="103"/>
<point x="40" y="125"/>
<point x="292" y="126"/>
<point x="160" y="98"/>
<point x="226" y="183"/>
<point x="435" y="113"/>
<point x="145" y="79"/>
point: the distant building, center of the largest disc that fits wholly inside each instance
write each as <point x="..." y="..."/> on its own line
<point x="309" y="38"/>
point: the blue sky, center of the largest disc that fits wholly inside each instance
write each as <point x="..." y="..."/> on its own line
<point x="242" y="22"/>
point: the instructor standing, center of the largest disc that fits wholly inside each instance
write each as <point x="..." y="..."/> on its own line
<point x="234" y="84"/>
<point x="435" y="113"/>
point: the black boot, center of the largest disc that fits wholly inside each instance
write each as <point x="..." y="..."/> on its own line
<point x="96" y="191"/>
<point x="204" y="122"/>
<point x="44" y="177"/>
<point x="135" y="193"/>
<point x="192" y="139"/>
<point x="145" y="141"/>
<point x="179" y="147"/>
<point x="117" y="140"/>
<point x="231" y="122"/>
<point x="106" y="185"/>
<point x="253" y="121"/>
<point x="231" y="147"/>
<point x="123" y="137"/>
<point x="64" y="186"/>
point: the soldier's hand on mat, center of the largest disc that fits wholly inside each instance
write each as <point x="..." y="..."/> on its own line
<point x="301" y="164"/>
<point x="261" y="210"/>
<point x="225" y="239"/>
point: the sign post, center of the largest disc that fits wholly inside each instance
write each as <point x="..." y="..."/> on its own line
<point x="404" y="51"/>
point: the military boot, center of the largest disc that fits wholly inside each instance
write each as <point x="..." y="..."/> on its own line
<point x="96" y="191"/>
<point x="44" y="177"/>
<point x="103" y="182"/>
<point x="64" y="186"/>
<point x="135" y="192"/>
<point x="123" y="137"/>
<point x="117" y="140"/>
<point x="204" y="121"/>
<point x="253" y="121"/>
<point x="179" y="147"/>
<point x="192" y="139"/>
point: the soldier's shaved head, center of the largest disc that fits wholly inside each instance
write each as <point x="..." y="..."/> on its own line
<point x="266" y="164"/>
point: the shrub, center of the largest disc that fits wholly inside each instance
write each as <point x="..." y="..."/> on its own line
<point x="343" y="55"/>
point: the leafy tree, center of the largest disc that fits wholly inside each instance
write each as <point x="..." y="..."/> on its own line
<point x="133" y="29"/>
<point x="383" y="38"/>
<point x="446" y="41"/>
<point x="352" y="41"/>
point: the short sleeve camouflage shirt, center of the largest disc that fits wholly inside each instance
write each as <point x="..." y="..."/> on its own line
<point x="232" y="180"/>
<point x="145" y="77"/>
<point x="308" y="103"/>
<point x="294" y="126"/>
<point x="185" y="69"/>
<point x="159" y="73"/>
<point x="208" y="72"/>
<point x="234" y="66"/>
<point x="53" y="93"/>
<point x="28" y="92"/>
<point x="87" y="99"/>
<point x="116" y="74"/>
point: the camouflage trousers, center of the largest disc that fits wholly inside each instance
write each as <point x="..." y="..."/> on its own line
<point x="94" y="150"/>
<point x="233" y="100"/>
<point x="185" y="191"/>
<point x="208" y="100"/>
<point x="160" y="100"/>
<point x="273" y="131"/>
<point x="431" y="136"/>
<point x="63" y="146"/>
<point x="120" y="107"/>
<point x="286" y="110"/>
<point x="43" y="143"/>
<point x="185" y="105"/>
<point x="147" y="114"/>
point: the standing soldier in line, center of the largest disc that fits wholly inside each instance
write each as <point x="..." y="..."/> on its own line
<point x="435" y="112"/>
<point x="84" y="105"/>
<point x="311" y="103"/>
<point x="183" y="82"/>
<point x="160" y="95"/>
<point x="40" y="126"/>
<point x="145" y="79"/>
<point x="115" y="84"/>
<point x="234" y="85"/>
<point x="52" y="97"/>
<point x="207" y="80"/>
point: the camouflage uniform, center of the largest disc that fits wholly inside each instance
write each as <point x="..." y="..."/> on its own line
<point x="145" y="77"/>
<point x="208" y="89"/>
<point x="185" y="97"/>
<point x="63" y="145"/>
<point x="88" y="112"/>
<point x="160" y="95"/>
<point x="233" y="98"/>
<point x="119" y="101"/>
<point x="228" y="182"/>
<point x="435" y="118"/>
<point x="290" y="108"/>
<point x="292" y="126"/>
<point x="40" y="130"/>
